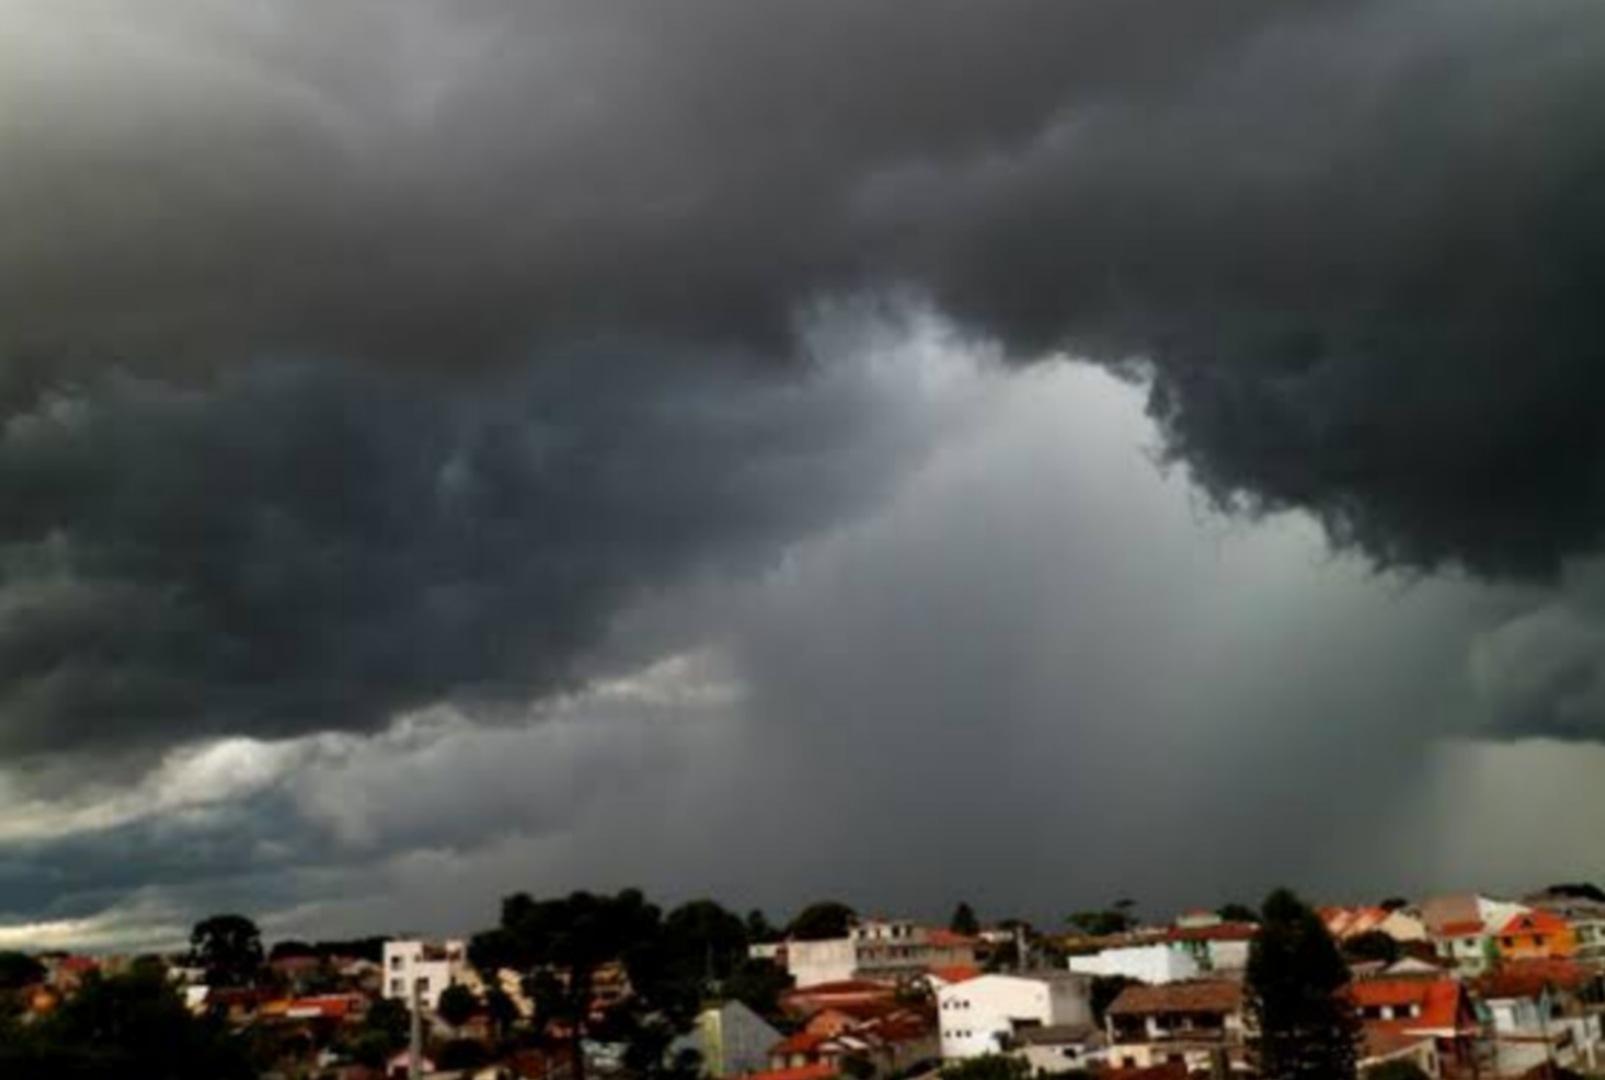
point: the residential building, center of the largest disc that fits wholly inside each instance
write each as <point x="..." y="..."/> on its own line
<point x="1587" y="919"/>
<point x="1060" y="1048"/>
<point x="984" y="1015"/>
<point x="1400" y="924"/>
<point x="884" y="1037"/>
<point x="1156" y="963"/>
<point x="1535" y="935"/>
<point x="1196" y="1025"/>
<point x="428" y="966"/>
<point x="888" y="950"/>
<point x="1543" y="1011"/>
<point x="1398" y="1013"/>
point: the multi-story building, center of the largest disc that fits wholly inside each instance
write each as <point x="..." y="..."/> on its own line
<point x="427" y="967"/>
<point x="887" y="950"/>
<point x="1198" y="1025"/>
<point x="987" y="1014"/>
<point x="1534" y="935"/>
<point x="1587" y="919"/>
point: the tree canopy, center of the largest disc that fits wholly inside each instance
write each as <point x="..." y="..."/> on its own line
<point x="1304" y="1028"/>
<point x="821" y="920"/>
<point x="964" y="920"/>
<point x="229" y="947"/>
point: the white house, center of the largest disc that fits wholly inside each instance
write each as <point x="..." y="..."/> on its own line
<point x="1156" y="963"/>
<point x="889" y="950"/>
<point x="430" y="966"/>
<point x="984" y="1015"/>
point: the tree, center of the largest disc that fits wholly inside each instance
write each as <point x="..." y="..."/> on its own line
<point x="821" y="920"/>
<point x="501" y="1009"/>
<point x="559" y="944"/>
<point x="457" y="1005"/>
<point x="964" y="920"/>
<point x="1373" y="945"/>
<point x="758" y="984"/>
<point x="18" y="970"/>
<point x="988" y="1067"/>
<point x="1394" y="903"/>
<point x="125" y="1026"/>
<point x="1577" y="890"/>
<point x="1305" y="1029"/>
<point x="1397" y="1070"/>
<point x="385" y="1029"/>
<point x="229" y="947"/>
<point x="1104" y="990"/>
<point x="1238" y="913"/>
<point x="1100" y="923"/>
<point x="759" y="928"/>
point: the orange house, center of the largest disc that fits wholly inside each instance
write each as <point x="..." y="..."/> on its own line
<point x="1535" y="935"/>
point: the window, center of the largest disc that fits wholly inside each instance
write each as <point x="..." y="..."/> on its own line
<point x="397" y="986"/>
<point x="1508" y="942"/>
<point x="395" y="963"/>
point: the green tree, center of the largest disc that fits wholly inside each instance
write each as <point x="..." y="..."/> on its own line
<point x="18" y="970"/>
<point x="1373" y="945"/>
<point x="988" y="1067"/>
<point x="821" y="920"/>
<point x="1239" y="913"/>
<point x="229" y="947"/>
<point x="758" y="984"/>
<point x="1100" y="923"/>
<point x="964" y="920"/>
<point x="759" y="928"/>
<point x="501" y="1009"/>
<point x="130" y="1025"/>
<point x="1397" y="1070"/>
<point x="1305" y="1029"/>
<point x="1104" y="990"/>
<point x="559" y="944"/>
<point x="457" y="1005"/>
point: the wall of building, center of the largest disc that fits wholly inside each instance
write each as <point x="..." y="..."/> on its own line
<point x="431" y="965"/>
<point x="1153" y="964"/>
<point x="975" y="1017"/>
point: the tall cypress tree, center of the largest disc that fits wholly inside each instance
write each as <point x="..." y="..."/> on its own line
<point x="1305" y="1027"/>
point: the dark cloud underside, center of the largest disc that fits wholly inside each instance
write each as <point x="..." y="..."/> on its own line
<point x="1356" y="249"/>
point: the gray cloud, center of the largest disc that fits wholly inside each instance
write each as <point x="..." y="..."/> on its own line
<point x="301" y="547"/>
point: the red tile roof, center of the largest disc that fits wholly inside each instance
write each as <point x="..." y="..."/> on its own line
<point x="956" y="973"/>
<point x="1461" y="928"/>
<point x="947" y="939"/>
<point x="1438" y="1001"/>
<point x="1203" y="995"/>
<point x="1528" y="978"/>
<point x="1533" y="922"/>
<point x="803" y="1042"/>
<point x="1218" y="932"/>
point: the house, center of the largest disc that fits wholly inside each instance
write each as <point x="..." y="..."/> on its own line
<point x="1382" y="1047"/>
<point x="426" y="968"/>
<point x="884" y="1039"/>
<point x="1059" y="1048"/>
<point x="985" y="1015"/>
<point x="1219" y="946"/>
<point x="887" y="950"/>
<point x="731" y="1040"/>
<point x="1587" y="919"/>
<point x="1397" y="1013"/>
<point x="1153" y="963"/>
<point x="1541" y="1011"/>
<point x="1195" y="1025"/>
<point x="1462" y="929"/>
<point x="805" y="1001"/>
<point x="1535" y="935"/>
<point x="1344" y="923"/>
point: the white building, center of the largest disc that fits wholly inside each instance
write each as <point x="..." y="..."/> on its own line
<point x="1157" y="963"/>
<point x="889" y="950"/>
<point x="430" y="966"/>
<point x="984" y="1015"/>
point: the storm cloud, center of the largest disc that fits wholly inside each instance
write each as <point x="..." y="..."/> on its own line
<point x="361" y="359"/>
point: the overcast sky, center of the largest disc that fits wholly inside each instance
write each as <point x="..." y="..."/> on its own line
<point x="1027" y="452"/>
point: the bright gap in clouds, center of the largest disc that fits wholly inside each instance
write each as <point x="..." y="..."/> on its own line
<point x="1040" y="671"/>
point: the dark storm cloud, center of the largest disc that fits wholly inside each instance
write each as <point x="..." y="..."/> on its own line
<point x="304" y="547"/>
<point x="1355" y="248"/>
<point x="1359" y="245"/>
